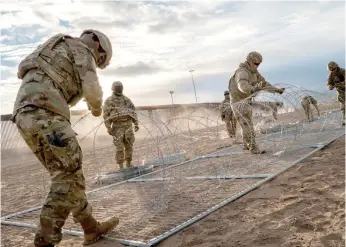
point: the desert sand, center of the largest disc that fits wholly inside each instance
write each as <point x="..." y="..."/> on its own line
<point x="305" y="206"/>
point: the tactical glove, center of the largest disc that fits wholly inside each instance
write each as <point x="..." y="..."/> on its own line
<point x="281" y="90"/>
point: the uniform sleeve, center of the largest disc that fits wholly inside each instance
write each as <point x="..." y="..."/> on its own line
<point x="135" y="120"/>
<point x="266" y="86"/>
<point x="242" y="80"/>
<point x="330" y="81"/>
<point x="107" y="113"/>
<point x="92" y="90"/>
<point x="342" y="83"/>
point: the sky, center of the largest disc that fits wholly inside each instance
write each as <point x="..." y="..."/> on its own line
<point x="156" y="43"/>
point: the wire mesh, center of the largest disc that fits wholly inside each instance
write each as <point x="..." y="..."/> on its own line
<point x="175" y="190"/>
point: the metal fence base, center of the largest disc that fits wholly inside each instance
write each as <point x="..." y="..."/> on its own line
<point x="264" y="178"/>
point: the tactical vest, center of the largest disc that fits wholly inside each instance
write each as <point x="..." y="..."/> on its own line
<point x="309" y="100"/>
<point x="337" y="78"/>
<point x="340" y="76"/>
<point x="61" y="70"/>
<point x="121" y="107"/>
<point x="235" y="93"/>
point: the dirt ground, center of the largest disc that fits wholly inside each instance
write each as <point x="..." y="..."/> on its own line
<point x="305" y="206"/>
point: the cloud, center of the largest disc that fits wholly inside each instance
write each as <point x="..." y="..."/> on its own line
<point x="7" y="72"/>
<point x="133" y="70"/>
<point x="86" y="23"/>
<point x="156" y="43"/>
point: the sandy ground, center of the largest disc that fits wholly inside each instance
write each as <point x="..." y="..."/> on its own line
<point x="305" y="206"/>
<point x="302" y="207"/>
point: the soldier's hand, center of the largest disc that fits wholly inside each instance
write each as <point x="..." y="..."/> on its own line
<point x="136" y="128"/>
<point x="96" y="112"/>
<point x="110" y="131"/>
<point x="281" y="90"/>
<point x="255" y="89"/>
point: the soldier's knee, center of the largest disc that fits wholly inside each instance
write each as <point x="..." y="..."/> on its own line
<point x="130" y="140"/>
<point x="81" y="213"/>
<point x="68" y="188"/>
<point x="119" y="144"/>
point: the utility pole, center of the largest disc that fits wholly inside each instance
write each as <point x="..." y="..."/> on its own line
<point x="173" y="110"/>
<point x="193" y="82"/>
<point x="171" y="92"/>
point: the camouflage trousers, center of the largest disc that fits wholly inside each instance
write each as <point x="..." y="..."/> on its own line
<point x="53" y="141"/>
<point x="341" y="99"/>
<point x="243" y="114"/>
<point x="231" y="124"/>
<point x="307" y="110"/>
<point x="123" y="139"/>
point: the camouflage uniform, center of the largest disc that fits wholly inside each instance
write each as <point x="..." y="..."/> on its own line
<point x="336" y="80"/>
<point x="119" y="113"/>
<point x="246" y="81"/>
<point x="55" y="76"/>
<point x="306" y="103"/>
<point x="268" y="107"/>
<point x="227" y="115"/>
<point x="274" y="107"/>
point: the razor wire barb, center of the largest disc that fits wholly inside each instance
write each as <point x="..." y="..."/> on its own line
<point x="197" y="133"/>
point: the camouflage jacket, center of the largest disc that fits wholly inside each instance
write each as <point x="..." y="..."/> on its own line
<point x="58" y="74"/>
<point x="244" y="80"/>
<point x="335" y="79"/>
<point x="116" y="107"/>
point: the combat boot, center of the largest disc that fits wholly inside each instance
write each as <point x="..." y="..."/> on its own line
<point x="121" y="165"/>
<point x="257" y="151"/>
<point x="93" y="229"/>
<point x="128" y="163"/>
<point x="245" y="147"/>
<point x="40" y="242"/>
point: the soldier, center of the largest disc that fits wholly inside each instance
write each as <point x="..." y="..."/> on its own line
<point x="245" y="82"/>
<point x="227" y="115"/>
<point x="58" y="74"/>
<point x="274" y="107"/>
<point x="268" y="107"/>
<point x="306" y="102"/>
<point x="119" y="113"/>
<point x="336" y="80"/>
